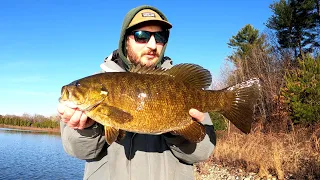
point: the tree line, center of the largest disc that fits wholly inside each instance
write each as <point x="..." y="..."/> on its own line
<point x="286" y="58"/>
<point x="37" y="121"/>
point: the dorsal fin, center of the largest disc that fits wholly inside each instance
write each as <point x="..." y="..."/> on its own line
<point x="146" y="70"/>
<point x="192" y="74"/>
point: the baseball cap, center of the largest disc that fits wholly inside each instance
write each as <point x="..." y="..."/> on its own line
<point x="148" y="15"/>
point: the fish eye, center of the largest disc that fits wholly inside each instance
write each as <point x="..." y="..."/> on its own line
<point x="77" y="83"/>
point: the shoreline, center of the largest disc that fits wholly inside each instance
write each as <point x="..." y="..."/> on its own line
<point x="33" y="129"/>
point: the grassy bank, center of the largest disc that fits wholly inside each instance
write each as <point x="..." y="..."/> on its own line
<point x="33" y="129"/>
<point x="295" y="154"/>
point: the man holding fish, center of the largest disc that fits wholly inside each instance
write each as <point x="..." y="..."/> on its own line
<point x="141" y="123"/>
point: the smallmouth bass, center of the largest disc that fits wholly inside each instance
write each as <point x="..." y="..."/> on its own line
<point x="156" y="101"/>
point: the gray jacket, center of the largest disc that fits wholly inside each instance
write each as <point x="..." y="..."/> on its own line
<point x="137" y="156"/>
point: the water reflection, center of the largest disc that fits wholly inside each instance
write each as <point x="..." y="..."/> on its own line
<point x="35" y="132"/>
<point x="29" y="155"/>
<point x="14" y="130"/>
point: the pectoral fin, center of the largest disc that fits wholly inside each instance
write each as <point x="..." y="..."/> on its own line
<point x="111" y="134"/>
<point x="113" y="113"/>
<point x="119" y="115"/>
<point x="195" y="132"/>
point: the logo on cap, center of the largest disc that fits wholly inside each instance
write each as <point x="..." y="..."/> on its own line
<point x="148" y="14"/>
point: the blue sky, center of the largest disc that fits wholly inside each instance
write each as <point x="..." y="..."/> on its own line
<point x="45" y="44"/>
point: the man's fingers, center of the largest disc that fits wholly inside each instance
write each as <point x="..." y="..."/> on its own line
<point x="68" y="113"/>
<point x="199" y="116"/>
<point x="61" y="108"/>
<point x="75" y="119"/>
<point x="83" y="121"/>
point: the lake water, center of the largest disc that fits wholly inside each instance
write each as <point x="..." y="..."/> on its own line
<point x="27" y="155"/>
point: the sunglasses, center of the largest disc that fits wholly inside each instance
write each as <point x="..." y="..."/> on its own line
<point x="144" y="36"/>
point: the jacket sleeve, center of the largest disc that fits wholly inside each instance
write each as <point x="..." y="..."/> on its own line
<point x="84" y="144"/>
<point x="193" y="152"/>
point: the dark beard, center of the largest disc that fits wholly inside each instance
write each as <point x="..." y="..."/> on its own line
<point x="132" y="56"/>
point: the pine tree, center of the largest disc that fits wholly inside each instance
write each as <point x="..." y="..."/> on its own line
<point x="246" y="43"/>
<point x="296" y="23"/>
<point x="302" y="91"/>
<point x="245" y="39"/>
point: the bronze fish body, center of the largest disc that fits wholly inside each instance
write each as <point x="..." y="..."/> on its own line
<point x="155" y="101"/>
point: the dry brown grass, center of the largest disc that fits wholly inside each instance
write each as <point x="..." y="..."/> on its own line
<point x="295" y="154"/>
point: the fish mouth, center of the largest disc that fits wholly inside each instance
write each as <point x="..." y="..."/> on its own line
<point x="67" y="98"/>
<point x="78" y="106"/>
<point x="70" y="104"/>
<point x="90" y="107"/>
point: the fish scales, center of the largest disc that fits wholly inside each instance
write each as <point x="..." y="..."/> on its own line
<point x="157" y="101"/>
<point x="157" y="105"/>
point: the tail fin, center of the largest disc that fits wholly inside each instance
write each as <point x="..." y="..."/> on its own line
<point x="244" y="97"/>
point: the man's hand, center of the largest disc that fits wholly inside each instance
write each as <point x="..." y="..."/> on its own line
<point x="73" y="117"/>
<point x="199" y="116"/>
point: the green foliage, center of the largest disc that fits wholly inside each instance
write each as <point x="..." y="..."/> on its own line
<point x="302" y="91"/>
<point x="296" y="23"/>
<point x="38" y="121"/>
<point x="218" y="121"/>
<point x="245" y="39"/>
<point x="251" y="57"/>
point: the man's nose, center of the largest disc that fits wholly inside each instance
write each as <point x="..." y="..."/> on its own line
<point x="152" y="44"/>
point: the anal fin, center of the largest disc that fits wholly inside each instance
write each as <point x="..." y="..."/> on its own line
<point x="121" y="135"/>
<point x="111" y="134"/>
<point x="195" y="132"/>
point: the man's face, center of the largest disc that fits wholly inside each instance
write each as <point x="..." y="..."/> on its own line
<point x="146" y="53"/>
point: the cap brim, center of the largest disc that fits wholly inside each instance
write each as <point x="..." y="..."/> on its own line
<point x="162" y="22"/>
